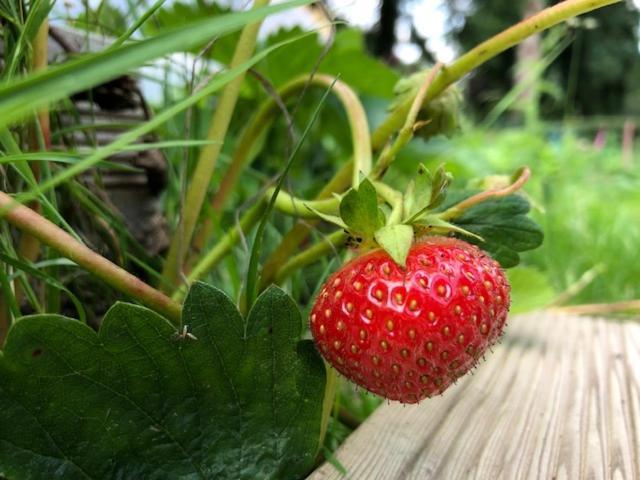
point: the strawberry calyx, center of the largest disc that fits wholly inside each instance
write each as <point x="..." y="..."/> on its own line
<point x="376" y="216"/>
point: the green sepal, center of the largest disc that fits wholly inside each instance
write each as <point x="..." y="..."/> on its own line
<point x="432" y="224"/>
<point x="328" y="218"/>
<point x="396" y="240"/>
<point x="359" y="210"/>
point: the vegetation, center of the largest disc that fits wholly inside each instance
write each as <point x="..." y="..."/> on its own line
<point x="128" y="359"/>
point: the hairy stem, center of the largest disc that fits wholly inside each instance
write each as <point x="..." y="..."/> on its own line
<point x="450" y="74"/>
<point x="208" y="157"/>
<point x="49" y="234"/>
<point x="522" y="178"/>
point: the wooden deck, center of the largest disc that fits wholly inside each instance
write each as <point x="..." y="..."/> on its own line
<point x="558" y="399"/>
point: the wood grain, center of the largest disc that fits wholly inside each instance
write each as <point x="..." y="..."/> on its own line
<point x="558" y="399"/>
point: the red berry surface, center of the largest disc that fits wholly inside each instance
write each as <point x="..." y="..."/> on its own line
<point x="409" y="333"/>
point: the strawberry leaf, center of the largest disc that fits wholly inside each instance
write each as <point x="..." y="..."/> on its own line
<point x="396" y="240"/>
<point x="359" y="210"/>
<point x="232" y="399"/>
<point x="502" y="223"/>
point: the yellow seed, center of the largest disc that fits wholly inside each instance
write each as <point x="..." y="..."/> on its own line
<point x="462" y="258"/>
<point x="396" y="368"/>
<point x="429" y="346"/>
<point x="422" y="362"/>
<point x="484" y="328"/>
<point x="379" y="294"/>
<point x="423" y="283"/>
<point x="470" y="276"/>
<point x="457" y="309"/>
<point x="340" y="361"/>
<point x="313" y="318"/>
<point x="369" y="267"/>
<point x="432" y="316"/>
<point x="399" y="298"/>
<point x="336" y="282"/>
<point x="444" y="355"/>
<point x="412" y="334"/>
<point x="338" y="295"/>
<point x="499" y="299"/>
<point x="389" y="325"/>
<point x="465" y="290"/>
<point x="424" y="379"/>
<point x="354" y="349"/>
<point x="369" y="313"/>
<point x="461" y="339"/>
<point x="413" y="304"/>
<point x="327" y="313"/>
<point x="349" y="307"/>
<point x="488" y="285"/>
<point x="404" y="352"/>
<point x="384" y="345"/>
<point x="375" y="359"/>
<point x="340" y="325"/>
<point x="323" y="330"/>
<point x="446" y="331"/>
<point x="363" y="334"/>
<point x="481" y="298"/>
<point x="453" y="365"/>
<point x="441" y="290"/>
<point x="408" y="384"/>
<point x="337" y="344"/>
<point x="386" y="270"/>
<point x="470" y="350"/>
<point x="474" y="318"/>
<point x="357" y="286"/>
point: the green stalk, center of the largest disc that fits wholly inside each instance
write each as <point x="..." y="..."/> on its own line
<point x="327" y="245"/>
<point x="255" y="131"/>
<point x="208" y="157"/>
<point x="224" y="245"/>
<point x="543" y="20"/>
<point x="51" y="235"/>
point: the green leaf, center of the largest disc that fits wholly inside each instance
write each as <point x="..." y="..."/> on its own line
<point x="396" y="241"/>
<point x="231" y="400"/>
<point x="502" y="223"/>
<point x="20" y="98"/>
<point x="530" y="290"/>
<point x="359" y="209"/>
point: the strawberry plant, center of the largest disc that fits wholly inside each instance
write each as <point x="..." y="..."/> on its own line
<point x="181" y="380"/>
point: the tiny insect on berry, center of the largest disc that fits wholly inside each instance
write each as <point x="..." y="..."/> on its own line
<point x="408" y="333"/>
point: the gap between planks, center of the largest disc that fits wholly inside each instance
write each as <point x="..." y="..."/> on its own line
<point x="558" y="399"/>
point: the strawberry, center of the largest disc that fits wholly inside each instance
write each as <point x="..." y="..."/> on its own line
<point x="409" y="333"/>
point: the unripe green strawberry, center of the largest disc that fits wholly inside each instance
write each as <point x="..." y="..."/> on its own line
<point x="409" y="333"/>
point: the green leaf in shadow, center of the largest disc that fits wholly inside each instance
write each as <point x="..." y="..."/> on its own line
<point x="230" y="400"/>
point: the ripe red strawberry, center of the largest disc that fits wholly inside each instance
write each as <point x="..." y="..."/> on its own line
<point x="407" y="334"/>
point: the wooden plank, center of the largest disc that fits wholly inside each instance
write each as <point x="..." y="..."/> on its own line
<point x="558" y="399"/>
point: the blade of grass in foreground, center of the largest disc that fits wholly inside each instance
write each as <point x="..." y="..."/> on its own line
<point x="21" y="97"/>
<point x="252" y="275"/>
<point x="132" y="135"/>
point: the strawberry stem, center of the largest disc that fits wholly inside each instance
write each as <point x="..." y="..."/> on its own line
<point x="522" y="176"/>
